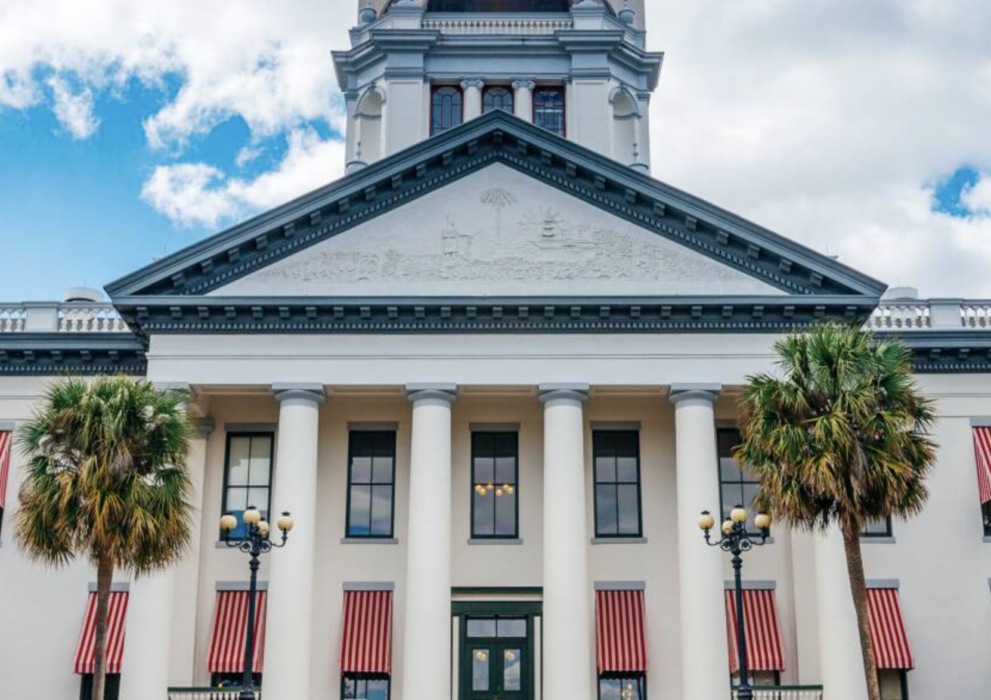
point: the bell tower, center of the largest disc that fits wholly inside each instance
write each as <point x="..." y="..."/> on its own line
<point x="578" y="68"/>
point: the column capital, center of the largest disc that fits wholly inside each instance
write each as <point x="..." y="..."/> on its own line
<point x="299" y="392"/>
<point x="204" y="427"/>
<point x="447" y="393"/>
<point x="556" y="392"/>
<point x="524" y="84"/>
<point x="698" y="392"/>
<point x="477" y="83"/>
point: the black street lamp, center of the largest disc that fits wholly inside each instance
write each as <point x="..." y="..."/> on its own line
<point x="255" y="544"/>
<point x="736" y="540"/>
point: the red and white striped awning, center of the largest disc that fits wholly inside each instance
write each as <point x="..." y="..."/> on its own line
<point x="891" y="650"/>
<point x="366" y="637"/>
<point x="85" y="661"/>
<point x="982" y="451"/>
<point x="760" y="626"/>
<point x="230" y="623"/>
<point x="620" y="632"/>
<point x="6" y="438"/>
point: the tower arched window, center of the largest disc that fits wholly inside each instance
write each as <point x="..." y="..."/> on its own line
<point x="497" y="98"/>
<point x="548" y="109"/>
<point x="446" y="109"/>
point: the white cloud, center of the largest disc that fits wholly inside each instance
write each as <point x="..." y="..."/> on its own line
<point x="74" y="110"/>
<point x="199" y="194"/>
<point x="978" y="198"/>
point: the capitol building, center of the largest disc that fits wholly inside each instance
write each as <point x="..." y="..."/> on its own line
<point x="494" y="374"/>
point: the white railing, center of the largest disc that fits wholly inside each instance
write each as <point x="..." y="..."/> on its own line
<point x="207" y="694"/>
<point x="931" y="314"/>
<point x="70" y="317"/>
<point x="87" y="318"/>
<point x="788" y="693"/>
<point x="523" y="26"/>
<point x="12" y="319"/>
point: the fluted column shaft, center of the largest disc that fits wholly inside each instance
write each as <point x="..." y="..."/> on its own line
<point x="704" y="649"/>
<point x="290" y="592"/>
<point x="567" y="644"/>
<point x="426" y="651"/>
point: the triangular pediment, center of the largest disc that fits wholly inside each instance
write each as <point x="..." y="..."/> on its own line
<point x="496" y="232"/>
<point x="502" y="212"/>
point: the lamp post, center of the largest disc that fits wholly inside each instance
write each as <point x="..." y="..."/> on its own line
<point x="254" y="545"/>
<point x="736" y="540"/>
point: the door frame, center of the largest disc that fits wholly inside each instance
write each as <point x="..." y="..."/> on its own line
<point x="528" y="609"/>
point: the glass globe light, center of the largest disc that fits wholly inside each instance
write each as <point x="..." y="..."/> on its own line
<point x="727" y="527"/>
<point x="264" y="528"/>
<point x="706" y="522"/>
<point x="739" y="515"/>
<point x="252" y="516"/>
<point x="228" y="522"/>
<point x="286" y="522"/>
<point x="763" y="521"/>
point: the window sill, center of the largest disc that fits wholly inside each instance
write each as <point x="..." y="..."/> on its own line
<point x="369" y="540"/>
<point x="494" y="541"/>
<point x="878" y="540"/>
<point x="619" y="540"/>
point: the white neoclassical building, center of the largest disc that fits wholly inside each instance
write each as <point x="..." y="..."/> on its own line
<point x="493" y="372"/>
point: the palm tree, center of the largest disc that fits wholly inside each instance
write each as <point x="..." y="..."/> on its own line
<point x="840" y="439"/>
<point x="106" y="480"/>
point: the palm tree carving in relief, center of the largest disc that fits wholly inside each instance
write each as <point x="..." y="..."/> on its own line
<point x="839" y="437"/>
<point x="498" y="198"/>
<point x="106" y="481"/>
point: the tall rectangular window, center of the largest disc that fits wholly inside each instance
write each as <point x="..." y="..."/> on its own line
<point x="737" y="486"/>
<point x="986" y="515"/>
<point x="495" y="485"/>
<point x="616" y="463"/>
<point x="621" y="686"/>
<point x="371" y="484"/>
<point x="548" y="109"/>
<point x="446" y="109"/>
<point x="497" y="97"/>
<point x="248" y="476"/>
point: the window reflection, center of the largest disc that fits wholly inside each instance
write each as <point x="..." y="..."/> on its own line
<point x="480" y="669"/>
<point x="622" y="688"/>
<point x="511" y="669"/>
<point x="737" y="485"/>
<point x="371" y="484"/>
<point x="248" y="477"/>
<point x="357" y="687"/>
<point x="617" y="483"/>
<point x="495" y="489"/>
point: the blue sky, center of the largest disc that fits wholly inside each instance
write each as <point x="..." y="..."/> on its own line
<point x="132" y="128"/>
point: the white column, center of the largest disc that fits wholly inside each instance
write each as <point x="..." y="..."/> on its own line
<point x="839" y="640"/>
<point x="523" y="99"/>
<point x="157" y="640"/>
<point x="704" y="651"/>
<point x="290" y="589"/>
<point x="426" y="657"/>
<point x="473" y="97"/>
<point x="567" y="664"/>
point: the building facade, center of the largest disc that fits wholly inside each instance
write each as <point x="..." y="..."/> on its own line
<point x="494" y="374"/>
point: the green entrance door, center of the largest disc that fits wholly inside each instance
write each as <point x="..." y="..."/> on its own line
<point x="496" y="659"/>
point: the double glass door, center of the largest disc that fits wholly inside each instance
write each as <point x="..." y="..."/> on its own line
<point x="496" y="659"/>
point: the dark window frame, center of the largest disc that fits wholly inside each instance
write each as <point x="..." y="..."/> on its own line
<point x="635" y="434"/>
<point x="233" y="680"/>
<point x="986" y="517"/>
<point x="367" y="677"/>
<point x="902" y="677"/>
<point x="743" y="481"/>
<point x="734" y="679"/>
<point x="558" y="90"/>
<point x="516" y="486"/>
<point x="227" y="469"/>
<point x="887" y="532"/>
<point x="489" y="89"/>
<point x="350" y="484"/>
<point x="434" y="90"/>
<point x="639" y="676"/>
<point x="111" y="686"/>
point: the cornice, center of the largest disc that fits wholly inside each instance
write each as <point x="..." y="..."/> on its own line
<point x="48" y="354"/>
<point x="947" y="352"/>
<point x="496" y="138"/>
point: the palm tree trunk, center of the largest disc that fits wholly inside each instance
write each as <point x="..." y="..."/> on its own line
<point x="104" y="579"/>
<point x="858" y="588"/>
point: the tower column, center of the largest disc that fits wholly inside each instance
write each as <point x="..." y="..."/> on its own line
<point x="704" y="649"/>
<point x="473" y="97"/>
<point x="426" y="652"/>
<point x="523" y="99"/>
<point x="568" y="671"/>
<point x="290" y="591"/>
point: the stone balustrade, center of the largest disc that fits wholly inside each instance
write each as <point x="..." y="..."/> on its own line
<point x="788" y="693"/>
<point x="54" y="317"/>
<point x="208" y="694"/>
<point x="523" y="26"/>
<point x="931" y="314"/>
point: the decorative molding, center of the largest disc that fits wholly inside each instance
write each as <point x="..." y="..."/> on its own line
<point x="302" y="392"/>
<point x="494" y="427"/>
<point x="369" y="540"/>
<point x="947" y="352"/>
<point x="369" y="586"/>
<point x="50" y="354"/>
<point x="550" y="393"/>
<point x="473" y="542"/>
<point x="384" y="427"/>
<point x="689" y="392"/>
<point x="618" y="540"/>
<point x="752" y="585"/>
<point x="251" y="428"/>
<point x="620" y="586"/>
<point x="495" y="137"/>
<point x="605" y="426"/>
<point x="242" y="586"/>
<point x="442" y="393"/>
